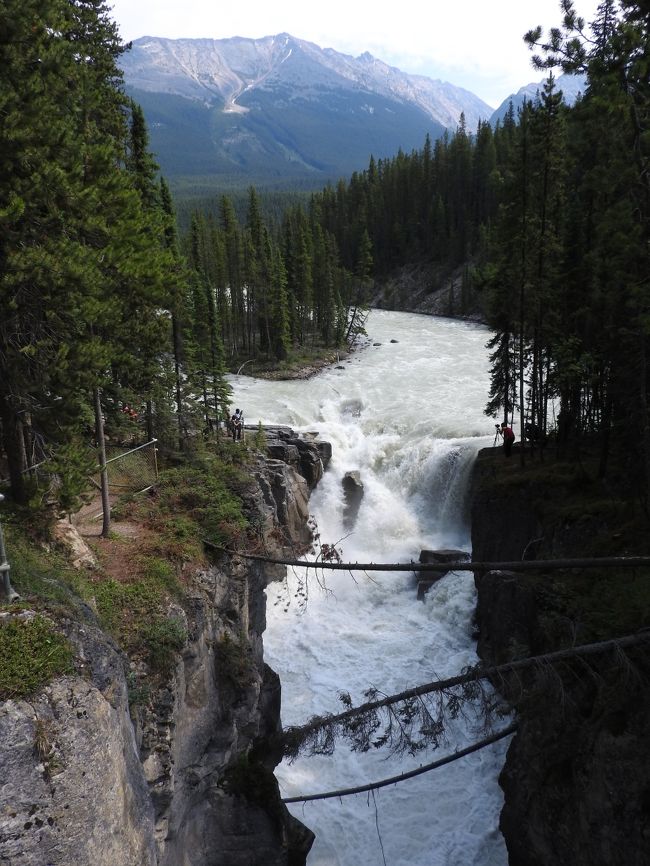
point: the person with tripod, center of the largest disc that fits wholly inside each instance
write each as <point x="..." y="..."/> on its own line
<point x="508" y="437"/>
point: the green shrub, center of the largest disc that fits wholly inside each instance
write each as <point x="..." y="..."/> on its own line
<point x="138" y="692"/>
<point x="163" y="639"/>
<point x="41" y="575"/>
<point x="259" y="440"/>
<point x="32" y="653"/>
<point x="234" y="660"/>
<point x="206" y="494"/>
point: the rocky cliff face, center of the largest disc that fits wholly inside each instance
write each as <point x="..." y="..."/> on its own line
<point x="576" y="778"/>
<point x="72" y="788"/>
<point x="432" y="290"/>
<point x="97" y="771"/>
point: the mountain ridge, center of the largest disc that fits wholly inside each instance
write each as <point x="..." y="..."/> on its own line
<point x="231" y="63"/>
<point x="231" y="112"/>
<point x="570" y="85"/>
<point x="279" y="110"/>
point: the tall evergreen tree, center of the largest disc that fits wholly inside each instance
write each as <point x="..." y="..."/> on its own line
<point x="78" y="263"/>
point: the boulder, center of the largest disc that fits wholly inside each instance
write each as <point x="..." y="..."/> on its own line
<point x="75" y="549"/>
<point x="310" y="463"/>
<point x="352" y="407"/>
<point x="353" y="494"/>
<point x="304" y="452"/>
<point x="426" y="578"/>
<point x="325" y="451"/>
<point x="279" y="450"/>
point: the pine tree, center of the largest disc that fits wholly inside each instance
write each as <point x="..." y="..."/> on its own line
<point x="618" y="185"/>
<point x="279" y="317"/>
<point x="78" y="262"/>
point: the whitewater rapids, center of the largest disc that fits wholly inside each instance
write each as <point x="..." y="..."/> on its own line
<point x="408" y="415"/>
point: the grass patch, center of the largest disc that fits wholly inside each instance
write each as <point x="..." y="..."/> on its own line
<point x="201" y="501"/>
<point x="32" y="653"/>
<point x="40" y="575"/>
<point x="135" y="613"/>
<point x="141" y="573"/>
<point x="298" y="359"/>
<point x="163" y="639"/>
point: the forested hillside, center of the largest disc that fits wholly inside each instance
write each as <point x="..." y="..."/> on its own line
<point x="551" y="208"/>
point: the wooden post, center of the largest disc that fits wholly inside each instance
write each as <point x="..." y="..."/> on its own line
<point x="103" y="473"/>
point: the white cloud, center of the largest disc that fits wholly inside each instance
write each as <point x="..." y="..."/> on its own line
<point x="475" y="44"/>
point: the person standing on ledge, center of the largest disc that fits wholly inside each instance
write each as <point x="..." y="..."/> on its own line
<point x="508" y="438"/>
<point x="237" y="424"/>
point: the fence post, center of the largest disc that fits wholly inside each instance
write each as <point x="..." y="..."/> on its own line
<point x="9" y="592"/>
<point x="103" y="474"/>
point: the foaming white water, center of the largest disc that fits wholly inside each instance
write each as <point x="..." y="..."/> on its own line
<point x="409" y="416"/>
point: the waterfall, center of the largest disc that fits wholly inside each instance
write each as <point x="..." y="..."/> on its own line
<point x="407" y="414"/>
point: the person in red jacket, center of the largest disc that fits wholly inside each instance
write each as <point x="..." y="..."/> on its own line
<point x="508" y="438"/>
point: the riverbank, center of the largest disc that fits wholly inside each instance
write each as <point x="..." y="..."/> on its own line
<point x="431" y="290"/>
<point x="303" y="367"/>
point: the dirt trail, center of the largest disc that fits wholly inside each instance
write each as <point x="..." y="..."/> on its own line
<point x="88" y="520"/>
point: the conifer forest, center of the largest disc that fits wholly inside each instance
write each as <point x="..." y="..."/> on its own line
<point x="104" y="303"/>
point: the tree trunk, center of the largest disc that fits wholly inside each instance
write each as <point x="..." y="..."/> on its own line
<point x="177" y="378"/>
<point x="103" y="474"/>
<point x="149" y="420"/>
<point x="7" y="590"/>
<point x="14" y="446"/>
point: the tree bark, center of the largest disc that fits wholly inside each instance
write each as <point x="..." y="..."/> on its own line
<point x="103" y="474"/>
<point x="14" y="446"/>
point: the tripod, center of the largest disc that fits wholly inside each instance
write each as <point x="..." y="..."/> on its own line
<point x="496" y="436"/>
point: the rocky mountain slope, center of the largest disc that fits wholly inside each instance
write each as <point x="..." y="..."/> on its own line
<point x="281" y="106"/>
<point x="570" y="85"/>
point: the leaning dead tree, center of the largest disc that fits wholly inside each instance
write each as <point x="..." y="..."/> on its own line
<point x="410" y="774"/>
<point x="417" y="718"/>
<point x="477" y="567"/>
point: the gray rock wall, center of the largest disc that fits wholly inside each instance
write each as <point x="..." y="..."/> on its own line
<point x="72" y="790"/>
<point x="577" y="774"/>
<point x="185" y="777"/>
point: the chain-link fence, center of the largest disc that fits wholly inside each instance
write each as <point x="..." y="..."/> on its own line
<point x="130" y="471"/>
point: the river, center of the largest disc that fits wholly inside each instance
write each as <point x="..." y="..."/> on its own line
<point x="408" y="414"/>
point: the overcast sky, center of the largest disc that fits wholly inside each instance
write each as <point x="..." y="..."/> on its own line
<point x="476" y="44"/>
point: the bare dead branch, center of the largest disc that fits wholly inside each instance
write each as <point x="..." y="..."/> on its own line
<point x="413" y="720"/>
<point x="393" y="780"/>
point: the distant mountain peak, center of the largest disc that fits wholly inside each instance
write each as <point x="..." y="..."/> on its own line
<point x="570" y="85"/>
<point x="281" y="107"/>
<point x="207" y="68"/>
